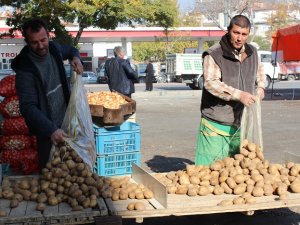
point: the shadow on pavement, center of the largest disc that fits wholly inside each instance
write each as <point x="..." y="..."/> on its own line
<point x="161" y="164"/>
<point x="282" y="94"/>
<point x="283" y="216"/>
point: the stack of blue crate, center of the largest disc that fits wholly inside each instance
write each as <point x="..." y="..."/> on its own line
<point x="117" y="148"/>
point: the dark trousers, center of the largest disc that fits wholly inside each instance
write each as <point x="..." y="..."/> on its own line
<point x="149" y="86"/>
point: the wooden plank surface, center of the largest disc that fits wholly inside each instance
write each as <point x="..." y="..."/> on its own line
<point x="61" y="214"/>
<point x="179" y="205"/>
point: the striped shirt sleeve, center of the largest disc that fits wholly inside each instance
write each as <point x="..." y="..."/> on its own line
<point x="214" y="85"/>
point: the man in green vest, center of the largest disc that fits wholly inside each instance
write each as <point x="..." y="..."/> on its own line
<point x="233" y="77"/>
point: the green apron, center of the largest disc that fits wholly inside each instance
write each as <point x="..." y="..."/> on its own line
<point x="216" y="141"/>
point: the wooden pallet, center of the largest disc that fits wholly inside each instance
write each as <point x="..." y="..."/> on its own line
<point x="26" y="213"/>
<point x="165" y="204"/>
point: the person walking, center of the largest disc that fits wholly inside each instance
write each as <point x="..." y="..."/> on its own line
<point x="149" y="75"/>
<point x="41" y="84"/>
<point x="233" y="76"/>
<point x="121" y="76"/>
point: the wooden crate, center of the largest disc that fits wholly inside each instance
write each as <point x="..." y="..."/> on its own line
<point x="104" y="116"/>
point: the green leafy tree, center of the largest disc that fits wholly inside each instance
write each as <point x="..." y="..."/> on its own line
<point x="106" y="14"/>
<point x="279" y="19"/>
<point x="263" y="42"/>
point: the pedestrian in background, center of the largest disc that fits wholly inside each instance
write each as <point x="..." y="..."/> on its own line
<point x="233" y="76"/>
<point x="149" y="75"/>
<point x="41" y="85"/>
<point x="121" y="76"/>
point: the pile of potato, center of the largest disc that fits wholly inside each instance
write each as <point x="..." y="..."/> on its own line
<point x="66" y="178"/>
<point x="107" y="99"/>
<point x="248" y="175"/>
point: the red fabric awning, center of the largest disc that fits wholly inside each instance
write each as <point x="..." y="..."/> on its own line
<point x="287" y="43"/>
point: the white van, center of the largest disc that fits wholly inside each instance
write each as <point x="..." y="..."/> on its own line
<point x="271" y="72"/>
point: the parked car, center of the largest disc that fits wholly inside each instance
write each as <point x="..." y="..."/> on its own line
<point x="101" y="76"/>
<point x="89" y="77"/>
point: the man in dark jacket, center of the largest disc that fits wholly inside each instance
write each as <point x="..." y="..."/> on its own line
<point x="120" y="74"/>
<point x="149" y="75"/>
<point x="42" y="86"/>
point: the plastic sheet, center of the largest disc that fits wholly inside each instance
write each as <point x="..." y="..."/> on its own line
<point x="78" y="124"/>
<point x="251" y="124"/>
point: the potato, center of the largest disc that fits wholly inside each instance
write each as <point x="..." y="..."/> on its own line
<point x="19" y="197"/>
<point x="218" y="190"/>
<point x="258" y="192"/>
<point x="34" y="196"/>
<point x="130" y="206"/>
<point x="244" y="143"/>
<point x="171" y="189"/>
<point x="184" y="179"/>
<point x="222" y="179"/>
<point x="182" y="189"/>
<point x="214" y="181"/>
<point x="295" y="186"/>
<point x="231" y="183"/>
<point x="123" y="195"/>
<point x="139" y="195"/>
<point x="226" y="188"/>
<point x="14" y="203"/>
<point x="239" y="157"/>
<point x="239" y="178"/>
<point x="238" y="201"/>
<point x="203" y="190"/>
<point x="281" y="189"/>
<point x="251" y="155"/>
<point x="3" y="213"/>
<point x="42" y="198"/>
<point x="250" y="200"/>
<point x="40" y="206"/>
<point x="239" y="189"/>
<point x="250" y="188"/>
<point x="251" y="147"/>
<point x="194" y="180"/>
<point x="24" y="184"/>
<point x="260" y="155"/>
<point x="226" y="202"/>
<point x="245" y="163"/>
<point x="148" y="194"/>
<point x="171" y="175"/>
<point x="228" y="162"/>
<point x="216" y="166"/>
<point x="191" y="170"/>
<point x="115" y="196"/>
<point x="244" y="151"/>
<point x="52" y="200"/>
<point x="139" y="206"/>
<point x="192" y="191"/>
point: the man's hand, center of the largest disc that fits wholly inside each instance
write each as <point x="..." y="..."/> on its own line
<point x="77" y="65"/>
<point x="247" y="99"/>
<point x="58" y="136"/>
<point x="260" y="93"/>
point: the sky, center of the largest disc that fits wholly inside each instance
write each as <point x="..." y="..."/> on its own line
<point x="185" y="5"/>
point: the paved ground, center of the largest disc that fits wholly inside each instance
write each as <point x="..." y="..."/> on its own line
<point x="169" y="118"/>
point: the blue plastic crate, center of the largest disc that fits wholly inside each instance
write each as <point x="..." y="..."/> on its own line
<point x="117" y="139"/>
<point x="116" y="164"/>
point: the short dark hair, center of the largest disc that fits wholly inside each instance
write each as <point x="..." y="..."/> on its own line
<point x="239" y="20"/>
<point x="33" y="25"/>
